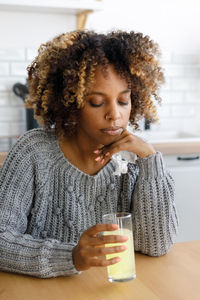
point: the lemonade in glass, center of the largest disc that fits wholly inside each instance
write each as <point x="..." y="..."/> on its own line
<point x="125" y="269"/>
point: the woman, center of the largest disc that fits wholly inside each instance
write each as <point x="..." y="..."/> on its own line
<point x="57" y="182"/>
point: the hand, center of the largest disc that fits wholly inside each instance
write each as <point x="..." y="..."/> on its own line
<point x="91" y="247"/>
<point x="126" y="142"/>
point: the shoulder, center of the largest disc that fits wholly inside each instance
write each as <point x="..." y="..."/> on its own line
<point x="35" y="138"/>
<point x="31" y="145"/>
<point x="36" y="135"/>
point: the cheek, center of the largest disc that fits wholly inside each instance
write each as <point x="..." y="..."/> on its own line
<point x="89" y="119"/>
<point x="126" y="114"/>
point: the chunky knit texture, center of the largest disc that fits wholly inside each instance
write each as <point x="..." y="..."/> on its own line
<point x="46" y="203"/>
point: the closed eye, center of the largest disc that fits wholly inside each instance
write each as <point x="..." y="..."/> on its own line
<point x="123" y="103"/>
<point x="95" y="105"/>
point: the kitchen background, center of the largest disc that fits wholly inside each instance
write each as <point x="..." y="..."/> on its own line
<point x="174" y="24"/>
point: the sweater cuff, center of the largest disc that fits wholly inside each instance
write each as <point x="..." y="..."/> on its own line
<point x="152" y="166"/>
<point x="61" y="261"/>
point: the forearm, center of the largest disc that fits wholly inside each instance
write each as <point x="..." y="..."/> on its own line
<point x="155" y="218"/>
<point x="41" y="258"/>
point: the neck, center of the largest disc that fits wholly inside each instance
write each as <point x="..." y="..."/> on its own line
<point x="79" y="151"/>
<point x="83" y="147"/>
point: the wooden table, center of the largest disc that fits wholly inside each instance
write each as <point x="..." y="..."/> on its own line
<point x="2" y="157"/>
<point x="175" y="276"/>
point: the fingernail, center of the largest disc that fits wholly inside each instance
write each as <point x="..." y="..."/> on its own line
<point x="96" y="151"/>
<point x="125" y="238"/>
<point x="117" y="259"/>
<point x="107" y="154"/>
<point x="115" y="226"/>
<point x="121" y="248"/>
<point x="103" y="160"/>
<point x="98" y="158"/>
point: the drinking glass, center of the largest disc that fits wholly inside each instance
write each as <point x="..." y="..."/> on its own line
<point x="125" y="269"/>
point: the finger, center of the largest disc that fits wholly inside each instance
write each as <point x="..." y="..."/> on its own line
<point x="94" y="230"/>
<point x="115" y="148"/>
<point x="97" y="151"/>
<point x="102" y="148"/>
<point x="125" y="144"/>
<point x="101" y="251"/>
<point x="95" y="262"/>
<point x="99" y="158"/>
<point x="107" y="239"/>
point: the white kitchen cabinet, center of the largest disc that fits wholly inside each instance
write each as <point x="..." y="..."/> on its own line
<point x="62" y="6"/>
<point x="186" y="174"/>
<point x="80" y="8"/>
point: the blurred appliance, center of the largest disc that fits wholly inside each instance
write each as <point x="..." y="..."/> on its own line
<point x="21" y="90"/>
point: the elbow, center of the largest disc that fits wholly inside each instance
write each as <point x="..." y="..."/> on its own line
<point x="163" y="247"/>
<point x="157" y="249"/>
<point x="160" y="251"/>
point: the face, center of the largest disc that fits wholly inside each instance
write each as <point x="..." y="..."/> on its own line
<point x="106" y="110"/>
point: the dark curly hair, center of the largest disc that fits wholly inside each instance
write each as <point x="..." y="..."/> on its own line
<point x="61" y="74"/>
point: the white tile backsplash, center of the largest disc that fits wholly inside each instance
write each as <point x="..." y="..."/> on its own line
<point x="4" y="129"/>
<point x="174" y="70"/>
<point x="19" y="69"/>
<point x="4" y="99"/>
<point x="180" y="93"/>
<point x="185" y="58"/>
<point x="192" y="71"/>
<point x="193" y="98"/>
<point x="31" y="53"/>
<point x="166" y="124"/>
<point x="183" y="111"/>
<point x="12" y="54"/>
<point x="166" y="57"/>
<point x="13" y="65"/>
<point x="10" y="114"/>
<point x="17" y="128"/>
<point x="6" y="83"/>
<point x="185" y="84"/>
<point x="164" y="111"/>
<point x="172" y="97"/>
<point x="15" y="100"/>
<point x="4" y="69"/>
<point x="167" y="84"/>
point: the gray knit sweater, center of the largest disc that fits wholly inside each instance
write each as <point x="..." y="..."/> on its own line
<point x="46" y="203"/>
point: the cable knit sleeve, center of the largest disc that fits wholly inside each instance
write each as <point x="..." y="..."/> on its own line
<point x="20" y="252"/>
<point x="155" y="218"/>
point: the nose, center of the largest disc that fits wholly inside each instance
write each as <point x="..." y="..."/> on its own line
<point x="112" y="112"/>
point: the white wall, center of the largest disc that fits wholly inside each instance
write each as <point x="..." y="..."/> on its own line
<point x="26" y="29"/>
<point x="174" y="24"/>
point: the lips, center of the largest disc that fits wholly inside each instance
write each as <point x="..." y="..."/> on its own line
<point x="112" y="130"/>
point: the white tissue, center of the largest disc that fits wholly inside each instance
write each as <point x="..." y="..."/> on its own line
<point x="121" y="160"/>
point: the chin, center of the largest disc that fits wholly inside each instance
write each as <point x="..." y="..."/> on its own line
<point x="109" y="140"/>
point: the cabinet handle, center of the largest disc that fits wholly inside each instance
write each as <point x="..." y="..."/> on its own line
<point x="188" y="157"/>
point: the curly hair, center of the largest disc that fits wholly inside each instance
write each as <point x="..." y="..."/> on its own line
<point x="64" y="69"/>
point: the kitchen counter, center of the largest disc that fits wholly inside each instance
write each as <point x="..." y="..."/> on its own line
<point x="172" y="142"/>
<point x="179" y="146"/>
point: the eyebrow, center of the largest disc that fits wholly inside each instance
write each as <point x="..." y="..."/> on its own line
<point x="104" y="94"/>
